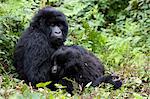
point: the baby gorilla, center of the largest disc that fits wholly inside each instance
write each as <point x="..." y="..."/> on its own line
<point x="74" y="62"/>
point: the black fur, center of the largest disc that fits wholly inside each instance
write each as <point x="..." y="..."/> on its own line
<point x="77" y="63"/>
<point x="36" y="45"/>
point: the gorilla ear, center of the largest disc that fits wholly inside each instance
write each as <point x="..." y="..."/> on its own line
<point x="54" y="69"/>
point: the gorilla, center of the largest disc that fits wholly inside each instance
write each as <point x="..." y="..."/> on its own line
<point x="74" y="62"/>
<point x="32" y="56"/>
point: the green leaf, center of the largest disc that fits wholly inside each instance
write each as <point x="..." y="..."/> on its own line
<point x="60" y="86"/>
<point x="137" y="96"/>
<point x="43" y="84"/>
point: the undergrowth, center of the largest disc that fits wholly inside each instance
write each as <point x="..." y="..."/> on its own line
<point x="116" y="31"/>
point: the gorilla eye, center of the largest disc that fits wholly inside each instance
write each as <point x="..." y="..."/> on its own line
<point x="60" y="25"/>
<point x="52" y="24"/>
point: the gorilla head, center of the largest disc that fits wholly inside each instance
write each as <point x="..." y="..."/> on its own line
<point x="66" y="61"/>
<point x="53" y="23"/>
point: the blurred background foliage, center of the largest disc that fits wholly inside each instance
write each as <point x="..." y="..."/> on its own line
<point x="117" y="31"/>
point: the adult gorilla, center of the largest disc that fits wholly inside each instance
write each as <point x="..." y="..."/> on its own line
<point x="46" y="33"/>
<point x="77" y="63"/>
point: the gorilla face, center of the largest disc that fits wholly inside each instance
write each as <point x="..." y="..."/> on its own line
<point x="56" y="34"/>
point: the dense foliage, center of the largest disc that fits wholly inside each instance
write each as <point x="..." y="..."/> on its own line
<point x="117" y="31"/>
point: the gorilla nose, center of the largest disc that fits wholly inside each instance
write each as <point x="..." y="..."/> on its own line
<point x="58" y="32"/>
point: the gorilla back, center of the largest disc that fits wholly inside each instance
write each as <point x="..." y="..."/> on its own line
<point x="46" y="33"/>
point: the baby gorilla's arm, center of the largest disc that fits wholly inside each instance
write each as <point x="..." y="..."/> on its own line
<point x="112" y="79"/>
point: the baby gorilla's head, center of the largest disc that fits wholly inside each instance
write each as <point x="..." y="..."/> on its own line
<point x="66" y="61"/>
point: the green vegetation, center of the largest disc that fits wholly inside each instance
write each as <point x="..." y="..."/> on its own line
<point x="117" y="31"/>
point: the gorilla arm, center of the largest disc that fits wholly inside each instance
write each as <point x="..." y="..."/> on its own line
<point x="108" y="79"/>
<point x="36" y="59"/>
